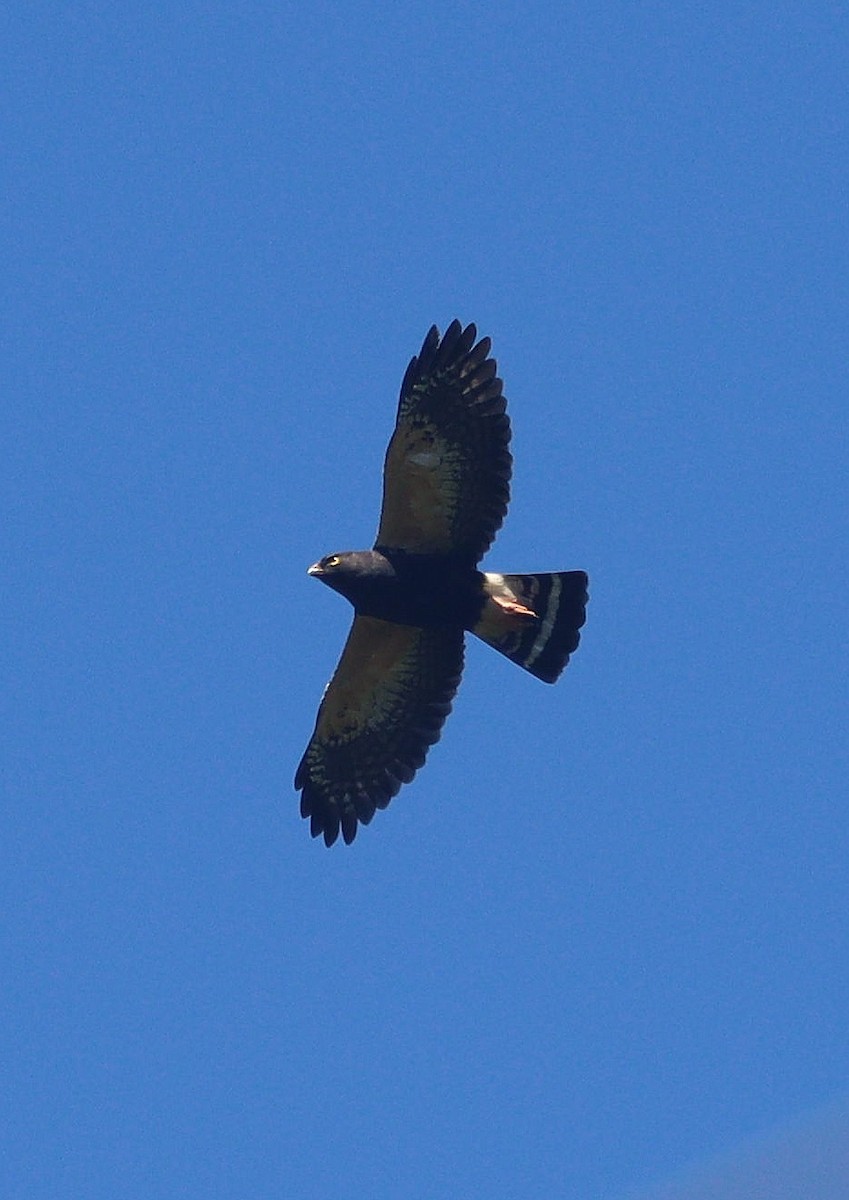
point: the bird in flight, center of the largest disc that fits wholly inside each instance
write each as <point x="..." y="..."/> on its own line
<point x="446" y="485"/>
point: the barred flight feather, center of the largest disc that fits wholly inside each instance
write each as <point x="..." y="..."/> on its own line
<point x="542" y="646"/>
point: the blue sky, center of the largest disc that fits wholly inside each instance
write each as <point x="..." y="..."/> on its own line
<point x="601" y="939"/>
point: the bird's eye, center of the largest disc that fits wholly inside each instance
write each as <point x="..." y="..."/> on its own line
<point x="332" y="560"/>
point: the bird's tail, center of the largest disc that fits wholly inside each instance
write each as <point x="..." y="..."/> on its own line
<point x="534" y="619"/>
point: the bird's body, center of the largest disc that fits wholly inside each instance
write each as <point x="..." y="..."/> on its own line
<point x="415" y="594"/>
<point x="412" y="589"/>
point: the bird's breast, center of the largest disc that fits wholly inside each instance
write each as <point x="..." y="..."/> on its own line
<point x="426" y="591"/>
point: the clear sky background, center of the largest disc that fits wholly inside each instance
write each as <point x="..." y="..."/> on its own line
<point x="603" y="937"/>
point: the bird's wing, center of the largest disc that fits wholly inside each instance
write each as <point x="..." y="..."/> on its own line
<point x="446" y="479"/>
<point x="383" y="708"/>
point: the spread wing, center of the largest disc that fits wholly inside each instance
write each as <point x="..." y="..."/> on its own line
<point x="446" y="479"/>
<point x="383" y="708"/>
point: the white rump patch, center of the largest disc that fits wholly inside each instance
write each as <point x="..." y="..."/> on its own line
<point x="496" y="586"/>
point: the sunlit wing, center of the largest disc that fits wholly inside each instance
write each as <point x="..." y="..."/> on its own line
<point x="383" y="708"/>
<point x="446" y="479"/>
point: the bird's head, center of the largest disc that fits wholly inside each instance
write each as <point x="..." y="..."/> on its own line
<point x="352" y="572"/>
<point x="329" y="565"/>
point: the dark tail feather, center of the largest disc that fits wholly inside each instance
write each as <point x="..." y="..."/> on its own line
<point x="541" y="646"/>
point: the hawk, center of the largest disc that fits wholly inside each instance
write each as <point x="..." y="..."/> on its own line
<point x="446" y="484"/>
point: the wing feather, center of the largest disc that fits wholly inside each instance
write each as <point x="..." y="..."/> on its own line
<point x="446" y="478"/>
<point x="383" y="708"/>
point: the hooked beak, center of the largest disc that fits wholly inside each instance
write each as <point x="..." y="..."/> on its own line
<point x="315" y="570"/>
